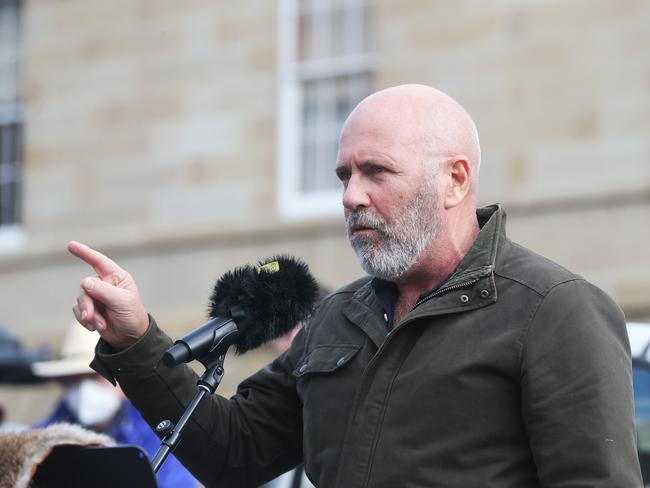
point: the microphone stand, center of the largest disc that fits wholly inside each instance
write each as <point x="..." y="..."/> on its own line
<point x="206" y="385"/>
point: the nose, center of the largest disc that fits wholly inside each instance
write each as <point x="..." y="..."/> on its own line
<point x="355" y="195"/>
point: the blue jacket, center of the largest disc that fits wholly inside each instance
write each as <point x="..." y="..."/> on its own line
<point x="130" y="428"/>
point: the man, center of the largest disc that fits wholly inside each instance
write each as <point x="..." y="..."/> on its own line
<point x="463" y="360"/>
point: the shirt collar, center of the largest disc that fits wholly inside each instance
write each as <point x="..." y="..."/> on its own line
<point x="387" y="293"/>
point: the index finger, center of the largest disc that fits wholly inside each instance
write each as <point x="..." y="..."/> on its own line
<point x="102" y="265"/>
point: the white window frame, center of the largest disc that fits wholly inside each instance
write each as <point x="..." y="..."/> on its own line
<point x="293" y="203"/>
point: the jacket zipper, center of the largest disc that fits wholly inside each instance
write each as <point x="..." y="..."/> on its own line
<point x="383" y="346"/>
<point x="445" y="290"/>
<point x="442" y="290"/>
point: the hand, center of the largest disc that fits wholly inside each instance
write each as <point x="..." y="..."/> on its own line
<point x="109" y="302"/>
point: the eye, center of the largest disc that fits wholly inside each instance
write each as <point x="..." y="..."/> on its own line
<point x="375" y="169"/>
<point x="343" y="174"/>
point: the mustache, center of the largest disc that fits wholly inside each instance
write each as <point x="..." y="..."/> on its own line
<point x="365" y="219"/>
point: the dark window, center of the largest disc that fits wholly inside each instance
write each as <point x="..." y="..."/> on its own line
<point x="10" y="125"/>
<point x="10" y="173"/>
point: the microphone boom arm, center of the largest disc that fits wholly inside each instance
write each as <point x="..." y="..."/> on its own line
<point x="206" y="385"/>
<point x="208" y="344"/>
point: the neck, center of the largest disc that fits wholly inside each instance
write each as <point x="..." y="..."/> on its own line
<point x="440" y="259"/>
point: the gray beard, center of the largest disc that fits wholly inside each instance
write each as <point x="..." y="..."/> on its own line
<point x="400" y="243"/>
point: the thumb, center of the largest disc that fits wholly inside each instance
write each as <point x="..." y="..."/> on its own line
<point x="102" y="291"/>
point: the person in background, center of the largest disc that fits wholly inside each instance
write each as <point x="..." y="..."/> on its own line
<point x="92" y="402"/>
<point x="15" y="369"/>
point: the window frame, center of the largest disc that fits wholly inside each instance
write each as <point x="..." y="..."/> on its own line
<point x="292" y="202"/>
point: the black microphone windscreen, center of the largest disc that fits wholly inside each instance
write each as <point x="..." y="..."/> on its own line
<point x="275" y="297"/>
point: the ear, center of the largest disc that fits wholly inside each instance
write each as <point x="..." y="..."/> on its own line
<point x="459" y="182"/>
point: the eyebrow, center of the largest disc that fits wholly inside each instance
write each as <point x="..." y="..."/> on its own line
<point x="342" y="169"/>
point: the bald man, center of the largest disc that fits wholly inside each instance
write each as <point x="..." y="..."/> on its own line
<point x="462" y="360"/>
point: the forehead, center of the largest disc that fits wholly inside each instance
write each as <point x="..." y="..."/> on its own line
<point x="377" y="143"/>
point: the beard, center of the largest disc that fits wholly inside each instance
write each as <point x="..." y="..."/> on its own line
<point x="400" y="243"/>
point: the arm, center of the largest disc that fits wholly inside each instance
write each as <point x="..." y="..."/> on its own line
<point x="577" y="399"/>
<point x="243" y="441"/>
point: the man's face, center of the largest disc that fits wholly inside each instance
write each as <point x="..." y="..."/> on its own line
<point x="390" y="200"/>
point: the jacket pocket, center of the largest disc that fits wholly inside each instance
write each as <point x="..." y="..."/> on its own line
<point x="326" y="358"/>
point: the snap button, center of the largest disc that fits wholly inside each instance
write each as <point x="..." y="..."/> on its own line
<point x="485" y="293"/>
<point x="302" y="368"/>
<point x="340" y="361"/>
<point x="464" y="299"/>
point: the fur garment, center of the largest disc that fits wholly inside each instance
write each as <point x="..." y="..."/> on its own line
<point x="22" y="452"/>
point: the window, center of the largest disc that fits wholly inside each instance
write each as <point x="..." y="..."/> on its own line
<point x="326" y="65"/>
<point x="10" y="125"/>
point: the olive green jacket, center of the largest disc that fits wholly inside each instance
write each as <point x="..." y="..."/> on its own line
<point x="516" y="373"/>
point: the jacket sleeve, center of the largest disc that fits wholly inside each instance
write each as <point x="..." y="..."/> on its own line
<point x="577" y="400"/>
<point x="242" y="441"/>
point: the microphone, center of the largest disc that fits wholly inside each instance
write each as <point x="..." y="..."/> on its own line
<point x="249" y="306"/>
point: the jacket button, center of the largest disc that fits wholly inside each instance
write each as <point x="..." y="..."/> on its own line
<point x="464" y="299"/>
<point x="340" y="361"/>
<point x="485" y="293"/>
<point x="302" y="368"/>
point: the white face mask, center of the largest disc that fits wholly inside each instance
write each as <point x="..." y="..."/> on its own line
<point x="92" y="403"/>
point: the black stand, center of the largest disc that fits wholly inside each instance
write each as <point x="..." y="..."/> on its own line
<point x="207" y="384"/>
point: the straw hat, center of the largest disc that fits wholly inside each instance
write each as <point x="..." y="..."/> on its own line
<point x="77" y="351"/>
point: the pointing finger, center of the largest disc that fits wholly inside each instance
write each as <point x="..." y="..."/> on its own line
<point x="102" y="265"/>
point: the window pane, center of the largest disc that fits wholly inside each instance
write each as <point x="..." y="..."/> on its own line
<point x="308" y="166"/>
<point x="304" y="37"/>
<point x="326" y="105"/>
<point x="9" y="173"/>
<point x="339" y="31"/>
<point x="321" y="30"/>
<point x="310" y="103"/>
<point x="367" y="27"/>
<point x="8" y="50"/>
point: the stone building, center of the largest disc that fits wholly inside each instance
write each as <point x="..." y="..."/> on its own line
<point x="183" y="138"/>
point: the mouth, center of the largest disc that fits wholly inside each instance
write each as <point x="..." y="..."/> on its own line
<point x="360" y="229"/>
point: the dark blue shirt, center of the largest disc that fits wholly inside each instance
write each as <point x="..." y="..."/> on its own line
<point x="387" y="293"/>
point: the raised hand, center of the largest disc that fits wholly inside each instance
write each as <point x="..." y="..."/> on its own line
<point x="109" y="302"/>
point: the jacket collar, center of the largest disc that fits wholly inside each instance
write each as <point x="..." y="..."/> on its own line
<point x="471" y="286"/>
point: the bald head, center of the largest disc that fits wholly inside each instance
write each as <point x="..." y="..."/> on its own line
<point x="422" y="118"/>
<point x="408" y="160"/>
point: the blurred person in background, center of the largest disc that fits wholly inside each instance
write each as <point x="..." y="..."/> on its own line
<point x="92" y="402"/>
<point x="15" y="369"/>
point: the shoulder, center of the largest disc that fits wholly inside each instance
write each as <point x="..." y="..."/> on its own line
<point x="331" y="307"/>
<point x="344" y="293"/>
<point x="351" y="288"/>
<point x="516" y="263"/>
